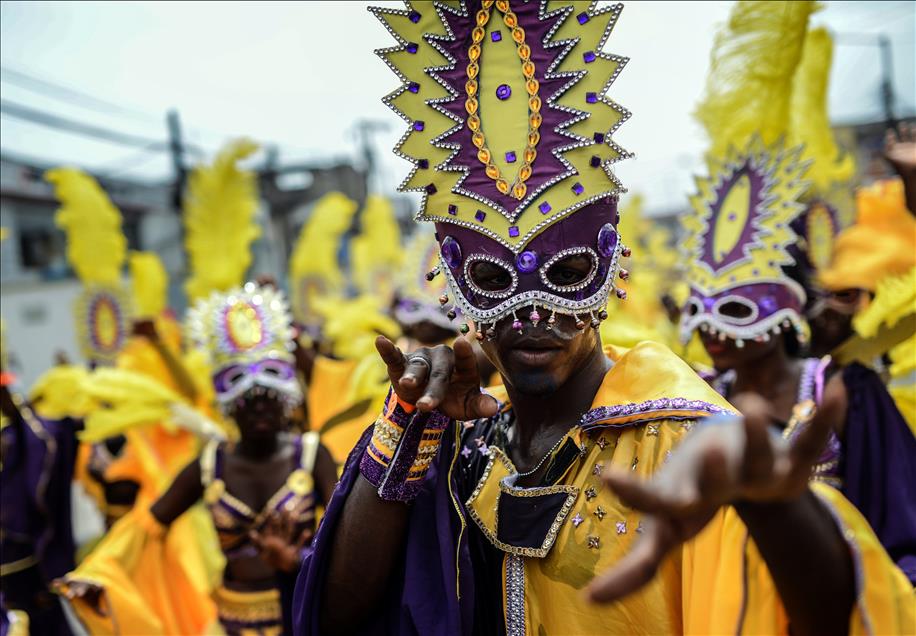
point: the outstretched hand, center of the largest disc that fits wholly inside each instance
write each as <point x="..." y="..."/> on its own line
<point x="736" y="459"/>
<point x="279" y="543"/>
<point x="900" y="150"/>
<point x="441" y="377"/>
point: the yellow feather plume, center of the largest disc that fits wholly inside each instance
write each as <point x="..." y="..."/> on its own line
<point x="313" y="268"/>
<point x="96" y="247"/>
<point x="127" y="399"/>
<point x="149" y="282"/>
<point x="219" y="216"/>
<point x="60" y="392"/>
<point x="753" y="61"/>
<point x="351" y="326"/>
<point x="809" y="120"/>
<point x="377" y="252"/>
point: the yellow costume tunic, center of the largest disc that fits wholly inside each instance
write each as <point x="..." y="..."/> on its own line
<point x="646" y="404"/>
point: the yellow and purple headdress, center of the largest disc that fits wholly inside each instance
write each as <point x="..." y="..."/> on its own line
<point x="96" y="249"/>
<point x="509" y="132"/>
<point x="247" y="334"/>
<point x="738" y="237"/>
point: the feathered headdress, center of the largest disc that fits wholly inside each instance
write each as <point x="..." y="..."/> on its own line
<point x="96" y="249"/>
<point x="149" y="283"/>
<point x="377" y="253"/>
<point x="220" y="209"/>
<point x="737" y="240"/>
<point x="313" y="267"/>
<point x="509" y="132"/>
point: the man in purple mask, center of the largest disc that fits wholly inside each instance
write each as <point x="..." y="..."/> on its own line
<point x="467" y="512"/>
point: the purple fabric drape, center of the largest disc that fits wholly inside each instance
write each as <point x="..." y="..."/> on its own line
<point x="879" y="465"/>
<point x="422" y="598"/>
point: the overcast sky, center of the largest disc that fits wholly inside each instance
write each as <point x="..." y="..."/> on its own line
<point x="300" y="74"/>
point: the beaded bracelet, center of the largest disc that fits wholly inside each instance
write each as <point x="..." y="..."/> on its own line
<point x="404" y="443"/>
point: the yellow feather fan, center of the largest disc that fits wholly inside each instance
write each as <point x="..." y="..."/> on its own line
<point x="753" y="62"/>
<point x="377" y="253"/>
<point x="60" y="392"/>
<point x="809" y="120"/>
<point x="96" y="247"/>
<point x="351" y="326"/>
<point x="313" y="268"/>
<point x="149" y="282"/>
<point x="219" y="215"/>
<point x="126" y="399"/>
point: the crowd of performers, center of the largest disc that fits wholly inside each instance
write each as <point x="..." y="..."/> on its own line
<point x="517" y="423"/>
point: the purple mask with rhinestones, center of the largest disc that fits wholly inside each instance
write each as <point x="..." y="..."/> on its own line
<point x="589" y="236"/>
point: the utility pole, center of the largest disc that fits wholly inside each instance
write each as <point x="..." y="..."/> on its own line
<point x="887" y="81"/>
<point x="176" y="148"/>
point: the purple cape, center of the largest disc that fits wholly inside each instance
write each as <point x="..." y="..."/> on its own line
<point x="879" y="465"/>
<point x="422" y="597"/>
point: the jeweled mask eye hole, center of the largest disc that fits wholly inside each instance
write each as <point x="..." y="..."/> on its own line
<point x="571" y="270"/>
<point x="735" y="309"/>
<point x="693" y="307"/>
<point x="489" y="276"/>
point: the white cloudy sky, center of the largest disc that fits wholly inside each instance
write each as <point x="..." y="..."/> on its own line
<point x="300" y="74"/>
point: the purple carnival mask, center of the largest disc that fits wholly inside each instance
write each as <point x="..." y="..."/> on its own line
<point x="233" y="381"/>
<point x="738" y="242"/>
<point x="532" y="278"/>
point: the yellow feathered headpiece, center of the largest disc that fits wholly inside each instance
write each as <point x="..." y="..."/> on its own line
<point x="882" y="242"/>
<point x="809" y="120"/>
<point x="351" y="326"/>
<point x="313" y="268"/>
<point x="377" y="252"/>
<point x="149" y="283"/>
<point x="96" y="249"/>
<point x="750" y="80"/>
<point x="219" y="215"/>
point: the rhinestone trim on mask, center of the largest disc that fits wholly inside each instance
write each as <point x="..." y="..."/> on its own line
<point x="476" y="258"/>
<point x="556" y="258"/>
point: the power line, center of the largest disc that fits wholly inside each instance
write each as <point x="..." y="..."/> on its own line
<point x="69" y="95"/>
<point x="50" y="120"/>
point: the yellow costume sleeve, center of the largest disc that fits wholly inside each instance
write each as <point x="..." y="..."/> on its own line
<point x="154" y="581"/>
<point x="728" y="589"/>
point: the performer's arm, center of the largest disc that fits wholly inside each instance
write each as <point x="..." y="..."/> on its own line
<point x="184" y="492"/>
<point x="369" y="540"/>
<point x="766" y="479"/>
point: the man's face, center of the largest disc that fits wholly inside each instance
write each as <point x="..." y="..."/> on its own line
<point x="259" y="414"/>
<point x="540" y="360"/>
<point x="830" y="317"/>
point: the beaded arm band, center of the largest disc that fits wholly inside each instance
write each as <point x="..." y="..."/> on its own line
<point x="403" y="445"/>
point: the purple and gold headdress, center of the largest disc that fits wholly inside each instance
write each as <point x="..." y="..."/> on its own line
<point x="737" y="239"/>
<point x="247" y="335"/>
<point x="509" y="134"/>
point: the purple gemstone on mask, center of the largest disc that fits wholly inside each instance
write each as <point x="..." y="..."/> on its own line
<point x="732" y="216"/>
<point x="423" y="164"/>
<point x="510" y="157"/>
<point x="413" y="87"/>
<point x="591" y="98"/>
<point x="414" y="16"/>
<point x="431" y="189"/>
<point x="419" y="125"/>
<point x="607" y="240"/>
<point x="595" y="161"/>
<point x="544" y="207"/>
<point x="527" y="262"/>
<point x="451" y="252"/>
<point x="412" y="47"/>
<point x="599" y="137"/>
<point x="453" y="209"/>
<point x="503" y="91"/>
<point x="578" y="188"/>
<point x="496" y="36"/>
<point x="513" y="231"/>
<point x="582" y="17"/>
<point x="589" y="57"/>
<point x="480" y="215"/>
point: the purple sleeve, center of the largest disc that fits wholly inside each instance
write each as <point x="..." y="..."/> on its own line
<point x="879" y="465"/>
<point x="422" y="597"/>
